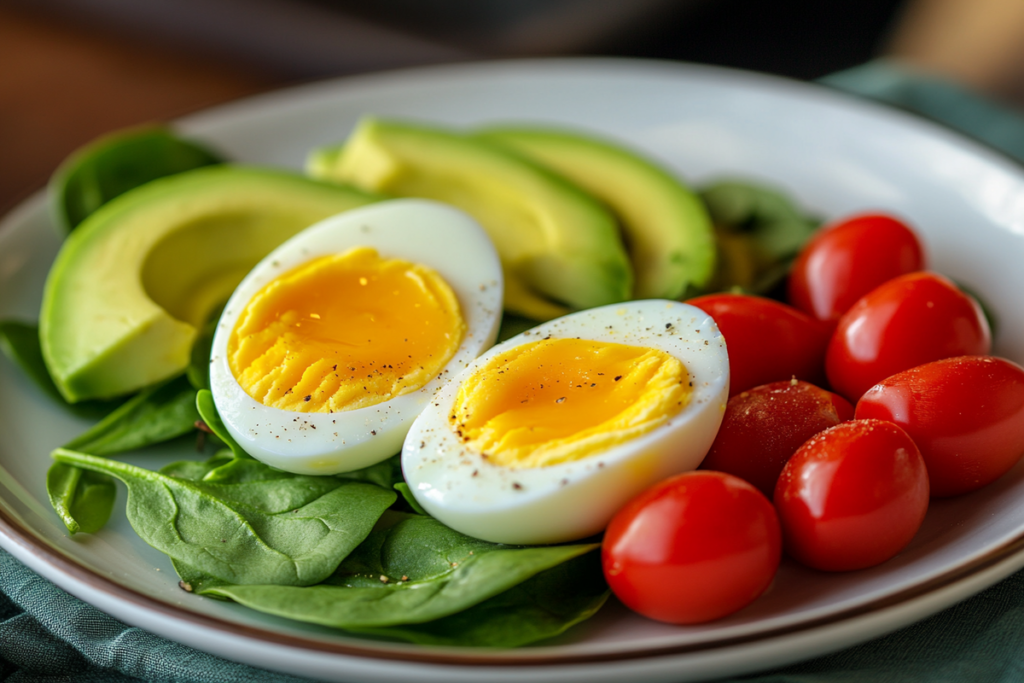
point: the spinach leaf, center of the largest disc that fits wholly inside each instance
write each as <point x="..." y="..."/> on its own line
<point x="82" y="499"/>
<point x="986" y="309"/>
<point x="260" y="526"/>
<point x="211" y="418"/>
<point x="195" y="581"/>
<point x="415" y="571"/>
<point x="406" y="493"/>
<point x="387" y="473"/>
<point x="225" y="469"/>
<point x="512" y="324"/>
<point x="116" y="163"/>
<point x="759" y="232"/>
<point x="20" y="342"/>
<point x="197" y="470"/>
<point x="154" y="415"/>
<point x="541" y="607"/>
<point x="198" y="371"/>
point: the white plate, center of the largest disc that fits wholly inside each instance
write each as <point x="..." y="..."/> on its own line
<point x="834" y="154"/>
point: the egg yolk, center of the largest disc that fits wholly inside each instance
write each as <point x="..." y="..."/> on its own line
<point x="345" y="331"/>
<point x="560" y="400"/>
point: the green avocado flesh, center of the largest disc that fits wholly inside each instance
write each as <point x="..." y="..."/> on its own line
<point x="135" y="280"/>
<point x="665" y="226"/>
<point x="559" y="248"/>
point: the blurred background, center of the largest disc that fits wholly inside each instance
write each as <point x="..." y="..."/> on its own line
<point x="73" y="69"/>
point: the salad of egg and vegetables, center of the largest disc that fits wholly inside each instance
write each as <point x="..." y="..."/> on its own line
<point x="372" y="460"/>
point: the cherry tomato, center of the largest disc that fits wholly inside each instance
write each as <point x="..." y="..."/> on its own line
<point x="846" y="260"/>
<point x="966" y="415"/>
<point x="852" y="496"/>
<point x="908" y="321"/>
<point x="768" y="341"/>
<point x="764" y="426"/>
<point x="693" y="548"/>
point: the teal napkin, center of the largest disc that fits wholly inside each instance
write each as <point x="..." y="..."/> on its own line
<point x="942" y="101"/>
<point x="47" y="635"/>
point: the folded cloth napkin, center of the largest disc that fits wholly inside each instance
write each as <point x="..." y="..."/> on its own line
<point x="47" y="635"/>
<point x="937" y="99"/>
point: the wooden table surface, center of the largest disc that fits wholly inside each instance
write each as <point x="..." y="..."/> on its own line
<point x="62" y="85"/>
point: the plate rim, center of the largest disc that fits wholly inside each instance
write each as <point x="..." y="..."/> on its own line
<point x="79" y="574"/>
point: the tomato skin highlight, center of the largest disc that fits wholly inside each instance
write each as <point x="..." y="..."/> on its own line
<point x="692" y="548"/>
<point x="768" y="341"/>
<point x="848" y="259"/>
<point x="966" y="414"/>
<point x="852" y="497"/>
<point x="764" y="426"/>
<point x="908" y="321"/>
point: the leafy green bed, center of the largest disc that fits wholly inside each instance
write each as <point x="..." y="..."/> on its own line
<point x="351" y="551"/>
<point x="344" y="551"/>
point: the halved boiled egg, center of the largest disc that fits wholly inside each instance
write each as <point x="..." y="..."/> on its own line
<point x="333" y="344"/>
<point x="545" y="436"/>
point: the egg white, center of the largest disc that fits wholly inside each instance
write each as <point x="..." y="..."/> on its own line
<point x="415" y="230"/>
<point x="573" y="500"/>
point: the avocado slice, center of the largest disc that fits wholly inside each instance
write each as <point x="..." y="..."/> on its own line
<point x="133" y="283"/>
<point x="559" y="247"/>
<point x="665" y="226"/>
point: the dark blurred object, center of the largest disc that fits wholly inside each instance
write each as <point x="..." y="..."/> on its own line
<point x="286" y="39"/>
<point x="802" y="39"/>
<point x="302" y="39"/>
<point x="516" y="28"/>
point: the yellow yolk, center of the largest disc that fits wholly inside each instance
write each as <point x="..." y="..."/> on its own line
<point x="345" y="331"/>
<point x="560" y="400"/>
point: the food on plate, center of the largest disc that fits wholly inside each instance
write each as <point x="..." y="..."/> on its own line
<point x="361" y="336"/>
<point x="764" y="426"/>
<point x="852" y="496"/>
<point x="768" y="340"/>
<point x="966" y="414"/>
<point x="559" y="247"/>
<point x="905" y="322"/>
<point x="113" y="164"/>
<point x="325" y="550"/>
<point x="546" y="435"/>
<point x="665" y="226"/>
<point x="19" y="341"/>
<point x="692" y="548"/>
<point x="758" y="232"/>
<point x="239" y="521"/>
<point x="333" y="344"/>
<point x="846" y="260"/>
<point x="132" y="284"/>
<point x="439" y="585"/>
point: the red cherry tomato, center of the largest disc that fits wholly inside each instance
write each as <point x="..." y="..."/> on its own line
<point x="693" y="548"/>
<point x="764" y="426"/>
<point x="965" y="414"/>
<point x="845" y="261"/>
<point x="908" y="321"/>
<point x="768" y="341"/>
<point x="852" y="496"/>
